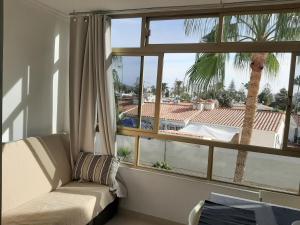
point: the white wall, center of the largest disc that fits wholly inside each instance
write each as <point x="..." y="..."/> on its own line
<point x="167" y="196"/>
<point x="263" y="138"/>
<point x="35" y="78"/>
<point x="172" y="197"/>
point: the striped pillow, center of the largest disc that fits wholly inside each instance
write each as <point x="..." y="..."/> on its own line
<point x="100" y="169"/>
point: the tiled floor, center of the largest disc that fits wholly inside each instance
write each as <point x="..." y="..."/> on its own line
<point x="132" y="218"/>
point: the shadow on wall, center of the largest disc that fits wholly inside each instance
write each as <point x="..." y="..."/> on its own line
<point x="35" y="71"/>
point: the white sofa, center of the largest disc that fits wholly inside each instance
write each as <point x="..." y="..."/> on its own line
<point x="38" y="187"/>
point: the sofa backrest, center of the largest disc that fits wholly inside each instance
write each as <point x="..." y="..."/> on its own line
<point x="32" y="167"/>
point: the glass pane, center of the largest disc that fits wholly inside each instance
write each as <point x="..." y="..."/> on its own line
<point x="126" y="148"/>
<point x="174" y="156"/>
<point x="294" y="129"/>
<point x="272" y="171"/>
<point x="262" y="27"/>
<point x="224" y="164"/>
<point x="149" y="92"/>
<point x="262" y="170"/>
<point x="204" y="96"/>
<point x="174" y="31"/>
<point x="126" y="74"/>
<point x="126" y="33"/>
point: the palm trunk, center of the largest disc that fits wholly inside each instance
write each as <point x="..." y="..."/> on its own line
<point x="257" y="65"/>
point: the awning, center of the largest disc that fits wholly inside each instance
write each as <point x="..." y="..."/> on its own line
<point x="210" y="132"/>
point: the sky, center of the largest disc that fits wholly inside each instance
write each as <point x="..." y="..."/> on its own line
<point x="126" y="33"/>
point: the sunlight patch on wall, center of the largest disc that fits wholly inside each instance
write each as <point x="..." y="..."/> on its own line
<point x="26" y="121"/>
<point x="5" y="135"/>
<point x="28" y="79"/>
<point x="18" y="126"/>
<point x="12" y="99"/>
<point x="54" y="101"/>
<point x="56" y="49"/>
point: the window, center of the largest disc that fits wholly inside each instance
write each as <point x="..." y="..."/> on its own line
<point x="224" y="164"/>
<point x="275" y="172"/>
<point x="174" y="31"/>
<point x="216" y="97"/>
<point x="294" y="129"/>
<point x="125" y="148"/>
<point x="126" y="75"/>
<point x="126" y="33"/>
<point x="262" y="27"/>
<point x="149" y="92"/>
<point x="271" y="171"/>
<point x="174" y="156"/>
<point x="204" y="96"/>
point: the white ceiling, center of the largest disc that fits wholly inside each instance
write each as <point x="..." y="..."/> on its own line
<point x="68" y="6"/>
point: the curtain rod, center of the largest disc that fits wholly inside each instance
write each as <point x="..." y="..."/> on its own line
<point x="187" y="8"/>
<point x="147" y="10"/>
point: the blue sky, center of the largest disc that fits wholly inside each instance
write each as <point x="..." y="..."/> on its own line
<point x="126" y="33"/>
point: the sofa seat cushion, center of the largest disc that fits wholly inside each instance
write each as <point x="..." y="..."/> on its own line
<point x="72" y="204"/>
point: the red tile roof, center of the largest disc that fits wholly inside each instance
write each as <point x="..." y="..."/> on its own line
<point x="259" y="106"/>
<point x="177" y="112"/>
<point x="125" y="108"/>
<point x="265" y="120"/>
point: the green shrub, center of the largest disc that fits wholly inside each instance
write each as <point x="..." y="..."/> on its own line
<point x="123" y="153"/>
<point x="162" y="165"/>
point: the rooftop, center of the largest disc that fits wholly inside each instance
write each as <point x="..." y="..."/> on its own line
<point x="259" y="106"/>
<point x="168" y="111"/>
<point x="264" y="120"/>
<point x="184" y="112"/>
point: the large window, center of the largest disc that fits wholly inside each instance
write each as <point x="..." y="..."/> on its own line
<point x="212" y="96"/>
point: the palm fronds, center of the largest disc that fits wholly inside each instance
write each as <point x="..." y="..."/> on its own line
<point x="207" y="71"/>
<point x="204" y="28"/>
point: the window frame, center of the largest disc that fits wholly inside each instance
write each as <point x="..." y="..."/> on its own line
<point x="159" y="50"/>
<point x="158" y="90"/>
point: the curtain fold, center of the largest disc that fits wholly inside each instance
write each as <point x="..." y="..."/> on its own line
<point x="106" y="118"/>
<point x="91" y="86"/>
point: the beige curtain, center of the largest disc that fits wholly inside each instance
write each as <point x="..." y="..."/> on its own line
<point x="91" y="85"/>
<point x="106" y="117"/>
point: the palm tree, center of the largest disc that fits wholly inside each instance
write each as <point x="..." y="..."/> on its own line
<point x="117" y="66"/>
<point x="208" y="69"/>
<point x="296" y="107"/>
<point x="116" y="79"/>
<point x="164" y="87"/>
<point x="297" y="83"/>
<point x="177" y="88"/>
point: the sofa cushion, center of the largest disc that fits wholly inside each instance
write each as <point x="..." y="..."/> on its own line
<point x="101" y="169"/>
<point x="73" y="204"/>
<point x="33" y="167"/>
